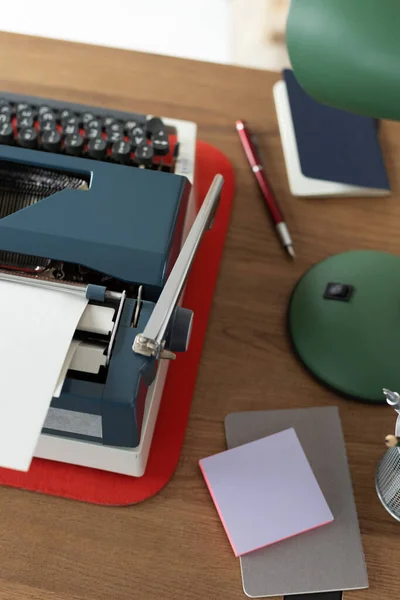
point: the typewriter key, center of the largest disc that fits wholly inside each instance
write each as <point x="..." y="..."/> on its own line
<point x="70" y="129"/>
<point x="92" y="134"/>
<point x="94" y="124"/>
<point x="28" y="137"/>
<point x="115" y="128"/>
<point x="138" y="131"/>
<point x="47" y="126"/>
<point x="6" y="133"/>
<point x="51" y="141"/>
<point x="44" y="109"/>
<point x="66" y="114"/>
<point x="87" y="117"/>
<point x="97" y="148"/>
<point x="47" y="117"/>
<point x="144" y="155"/>
<point x="161" y="143"/>
<point x="107" y="121"/>
<point x="115" y="136"/>
<point x="22" y="106"/>
<point x="6" y="109"/>
<point x="129" y="125"/>
<point x="121" y="151"/>
<point x="74" y="120"/>
<point x="25" y="122"/>
<point x="138" y="140"/>
<point x="74" y="144"/>
<point x="4" y="118"/>
<point x="28" y="113"/>
<point x="154" y="125"/>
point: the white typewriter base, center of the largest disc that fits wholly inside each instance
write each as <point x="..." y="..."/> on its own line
<point x="127" y="461"/>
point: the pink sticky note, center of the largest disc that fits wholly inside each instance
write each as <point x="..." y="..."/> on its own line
<point x="265" y="491"/>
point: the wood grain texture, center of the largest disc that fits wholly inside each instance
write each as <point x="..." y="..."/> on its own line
<point x="173" y="546"/>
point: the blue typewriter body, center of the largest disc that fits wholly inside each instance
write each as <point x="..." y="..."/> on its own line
<point x="122" y="232"/>
<point x="127" y="225"/>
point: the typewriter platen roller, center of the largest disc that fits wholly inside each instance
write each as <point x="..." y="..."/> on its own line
<point x="113" y="217"/>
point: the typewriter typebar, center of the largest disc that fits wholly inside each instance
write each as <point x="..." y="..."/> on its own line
<point x="103" y="203"/>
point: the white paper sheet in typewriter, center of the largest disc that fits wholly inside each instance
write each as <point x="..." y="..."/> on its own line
<point x="36" y="329"/>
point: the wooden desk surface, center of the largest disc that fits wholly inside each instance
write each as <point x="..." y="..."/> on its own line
<point x="173" y="545"/>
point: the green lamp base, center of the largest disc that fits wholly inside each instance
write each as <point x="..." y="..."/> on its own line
<point x="344" y="322"/>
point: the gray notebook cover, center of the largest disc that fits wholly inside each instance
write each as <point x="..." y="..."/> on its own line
<point x="326" y="559"/>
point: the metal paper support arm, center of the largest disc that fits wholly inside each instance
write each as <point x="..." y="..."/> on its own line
<point x="151" y="341"/>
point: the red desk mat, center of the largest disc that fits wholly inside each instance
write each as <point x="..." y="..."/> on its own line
<point x="101" y="487"/>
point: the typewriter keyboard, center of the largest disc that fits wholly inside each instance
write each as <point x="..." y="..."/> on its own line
<point x="131" y="140"/>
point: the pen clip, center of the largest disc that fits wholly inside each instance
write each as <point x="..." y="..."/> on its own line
<point x="256" y="148"/>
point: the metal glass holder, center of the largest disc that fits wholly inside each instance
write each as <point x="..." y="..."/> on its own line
<point x="387" y="476"/>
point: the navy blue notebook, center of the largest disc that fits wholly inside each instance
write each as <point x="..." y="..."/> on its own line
<point x="328" y="152"/>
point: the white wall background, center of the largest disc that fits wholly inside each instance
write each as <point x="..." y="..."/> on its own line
<point x="222" y="31"/>
<point x="188" y="28"/>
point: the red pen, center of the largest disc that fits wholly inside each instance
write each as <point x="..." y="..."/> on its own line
<point x="253" y="157"/>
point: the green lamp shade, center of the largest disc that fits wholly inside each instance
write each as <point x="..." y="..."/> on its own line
<point x="351" y="344"/>
<point x="345" y="53"/>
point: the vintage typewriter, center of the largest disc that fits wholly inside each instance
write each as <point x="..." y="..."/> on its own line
<point x="105" y="201"/>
